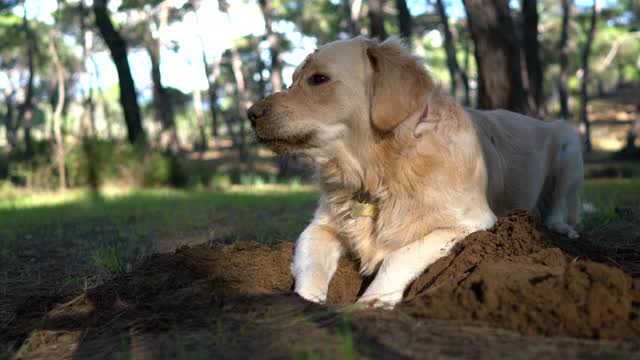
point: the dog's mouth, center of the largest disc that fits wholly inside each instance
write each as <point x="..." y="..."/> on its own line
<point x="287" y="144"/>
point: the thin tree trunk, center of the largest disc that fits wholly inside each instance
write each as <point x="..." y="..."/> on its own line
<point x="564" y="61"/>
<point x="103" y="100"/>
<point x="376" y="20"/>
<point x="88" y="115"/>
<point x="276" y="65"/>
<point x="118" y="48"/>
<point x="274" y="46"/>
<point x="452" y="62"/>
<point x="197" y="105"/>
<point x="212" y="77"/>
<point x="57" y="113"/>
<point x="25" y="112"/>
<point x="242" y="94"/>
<point x="349" y="18"/>
<point x="212" y="91"/>
<point x="465" y="71"/>
<point x="242" y="100"/>
<point x="584" y="96"/>
<point x="633" y="133"/>
<point x="531" y="47"/>
<point x="404" y="20"/>
<point x="161" y="100"/>
<point x="497" y="55"/>
<point x="10" y="128"/>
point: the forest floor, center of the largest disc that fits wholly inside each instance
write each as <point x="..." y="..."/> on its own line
<point x="79" y="280"/>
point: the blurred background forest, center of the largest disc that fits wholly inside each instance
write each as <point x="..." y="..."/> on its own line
<point x="154" y="93"/>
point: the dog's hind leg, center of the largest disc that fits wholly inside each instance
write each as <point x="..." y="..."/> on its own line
<point x="568" y="174"/>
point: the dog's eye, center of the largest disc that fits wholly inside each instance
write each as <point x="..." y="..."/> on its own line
<point x="317" y="79"/>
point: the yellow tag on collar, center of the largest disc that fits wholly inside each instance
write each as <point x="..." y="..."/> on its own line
<point x="360" y="209"/>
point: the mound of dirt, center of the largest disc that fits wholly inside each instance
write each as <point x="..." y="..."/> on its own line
<point x="513" y="278"/>
<point x="510" y="277"/>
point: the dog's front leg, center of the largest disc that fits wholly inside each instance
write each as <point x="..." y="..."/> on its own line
<point x="318" y="250"/>
<point x="402" y="266"/>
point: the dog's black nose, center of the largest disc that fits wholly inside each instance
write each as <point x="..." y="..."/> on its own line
<point x="255" y="112"/>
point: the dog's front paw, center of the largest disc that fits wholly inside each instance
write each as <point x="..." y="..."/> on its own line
<point x="384" y="301"/>
<point x="312" y="288"/>
<point x="313" y="295"/>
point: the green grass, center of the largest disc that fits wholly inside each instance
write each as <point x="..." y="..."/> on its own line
<point x="77" y="240"/>
<point x="607" y="195"/>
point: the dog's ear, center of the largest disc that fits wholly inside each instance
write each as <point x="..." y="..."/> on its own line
<point x="399" y="85"/>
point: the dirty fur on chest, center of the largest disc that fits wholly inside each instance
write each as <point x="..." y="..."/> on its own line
<point x="373" y="227"/>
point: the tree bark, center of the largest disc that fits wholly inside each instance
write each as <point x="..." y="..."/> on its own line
<point x="197" y="105"/>
<point x="242" y="96"/>
<point x="456" y="74"/>
<point x="404" y="20"/>
<point x="632" y="134"/>
<point x="118" y="49"/>
<point x="276" y="63"/>
<point x="564" y="61"/>
<point x="531" y="49"/>
<point x="349" y="18"/>
<point x="497" y="55"/>
<point x="89" y="113"/>
<point x="274" y="47"/>
<point x="161" y="99"/>
<point x="376" y="20"/>
<point x="57" y="113"/>
<point x="10" y="128"/>
<point x="584" y="96"/>
<point x="25" y="111"/>
<point x="212" y="91"/>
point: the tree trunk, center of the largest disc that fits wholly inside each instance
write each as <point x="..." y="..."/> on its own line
<point x="10" y="128"/>
<point x="465" y="71"/>
<point x="242" y="95"/>
<point x="88" y="115"/>
<point x="564" y="61"/>
<point x="376" y="20"/>
<point x="212" y="91"/>
<point x="276" y="65"/>
<point x="497" y="55"/>
<point x="584" y="96"/>
<point x="118" y="50"/>
<point x="212" y="76"/>
<point x="25" y="112"/>
<point x="274" y="47"/>
<point x="161" y="100"/>
<point x="57" y="113"/>
<point x="633" y="133"/>
<point x="404" y="20"/>
<point x="350" y="23"/>
<point x="197" y="105"/>
<point x="531" y="49"/>
<point x="457" y="76"/>
<point x="106" y="113"/>
<point x="242" y="101"/>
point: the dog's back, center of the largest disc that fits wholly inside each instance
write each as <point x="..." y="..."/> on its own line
<point x="531" y="165"/>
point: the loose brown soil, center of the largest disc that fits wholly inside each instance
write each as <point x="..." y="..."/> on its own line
<point x="503" y="292"/>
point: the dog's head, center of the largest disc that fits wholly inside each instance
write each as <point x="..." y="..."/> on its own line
<point x="348" y="89"/>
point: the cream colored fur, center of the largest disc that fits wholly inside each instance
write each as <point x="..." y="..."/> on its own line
<point x="433" y="179"/>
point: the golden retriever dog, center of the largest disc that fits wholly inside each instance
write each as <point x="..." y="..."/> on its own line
<point x="404" y="171"/>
